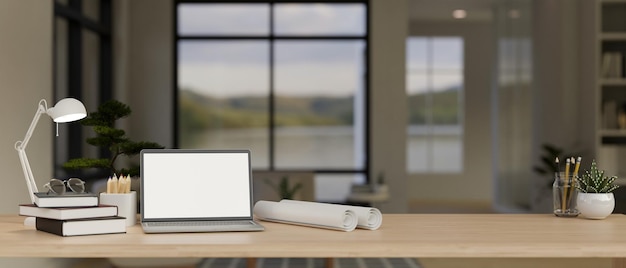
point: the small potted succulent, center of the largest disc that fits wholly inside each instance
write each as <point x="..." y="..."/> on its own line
<point x="595" y="198"/>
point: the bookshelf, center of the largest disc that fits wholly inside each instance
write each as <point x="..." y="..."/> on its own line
<point x="610" y="47"/>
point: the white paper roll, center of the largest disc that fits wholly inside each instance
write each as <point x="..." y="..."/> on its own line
<point x="335" y="218"/>
<point x="368" y="218"/>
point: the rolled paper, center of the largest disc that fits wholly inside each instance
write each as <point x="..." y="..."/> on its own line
<point x="368" y="218"/>
<point x="335" y="218"/>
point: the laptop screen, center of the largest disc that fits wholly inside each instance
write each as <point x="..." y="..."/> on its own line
<point x="195" y="184"/>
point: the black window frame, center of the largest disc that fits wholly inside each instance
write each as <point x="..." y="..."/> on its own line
<point x="77" y="21"/>
<point x="365" y="171"/>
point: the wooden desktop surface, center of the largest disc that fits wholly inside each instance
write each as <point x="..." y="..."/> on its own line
<point x="401" y="235"/>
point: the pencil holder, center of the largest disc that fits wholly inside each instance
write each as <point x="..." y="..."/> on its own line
<point x="564" y="194"/>
<point x="126" y="205"/>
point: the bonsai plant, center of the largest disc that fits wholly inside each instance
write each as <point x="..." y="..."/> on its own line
<point x="112" y="139"/>
<point x="595" y="198"/>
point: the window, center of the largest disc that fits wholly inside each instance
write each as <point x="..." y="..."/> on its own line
<point x="435" y="96"/>
<point x="82" y="70"/>
<point x="285" y="80"/>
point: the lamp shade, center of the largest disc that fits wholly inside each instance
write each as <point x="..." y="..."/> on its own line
<point x="67" y="110"/>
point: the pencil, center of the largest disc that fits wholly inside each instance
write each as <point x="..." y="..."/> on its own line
<point x="577" y="166"/>
<point x="558" y="167"/>
<point x="574" y="177"/>
<point x="565" y="183"/>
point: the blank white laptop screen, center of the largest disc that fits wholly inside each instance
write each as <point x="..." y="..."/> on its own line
<point x="196" y="184"/>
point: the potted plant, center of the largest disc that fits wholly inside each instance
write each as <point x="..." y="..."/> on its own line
<point x="110" y="138"/>
<point x="541" y="191"/>
<point x="284" y="189"/>
<point x="595" y="198"/>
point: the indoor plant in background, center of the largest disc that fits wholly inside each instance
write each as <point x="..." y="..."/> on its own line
<point x="284" y="189"/>
<point x="541" y="192"/>
<point x="595" y="198"/>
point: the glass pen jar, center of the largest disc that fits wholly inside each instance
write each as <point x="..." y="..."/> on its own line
<point x="564" y="194"/>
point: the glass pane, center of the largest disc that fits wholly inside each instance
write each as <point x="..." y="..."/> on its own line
<point x="223" y="19"/>
<point x="446" y="95"/>
<point x="61" y="88"/>
<point x="60" y="38"/>
<point x="447" y="149"/>
<point x="91" y="9"/>
<point x="90" y="69"/>
<point x="318" y="85"/>
<point x="447" y="53"/>
<point x="223" y="89"/>
<point x="416" y="54"/>
<point x="90" y="83"/>
<point x="319" y="19"/>
<point x="417" y="130"/>
<point x="435" y="95"/>
<point x="418" y="99"/>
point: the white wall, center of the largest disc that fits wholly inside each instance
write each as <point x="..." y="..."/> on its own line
<point x="26" y="75"/>
<point x="388" y="105"/>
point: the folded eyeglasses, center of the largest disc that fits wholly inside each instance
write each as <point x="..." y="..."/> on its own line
<point x="59" y="187"/>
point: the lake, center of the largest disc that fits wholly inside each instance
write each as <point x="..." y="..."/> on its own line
<point x="436" y="149"/>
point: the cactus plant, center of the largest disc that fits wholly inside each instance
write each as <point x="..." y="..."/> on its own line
<point x="594" y="181"/>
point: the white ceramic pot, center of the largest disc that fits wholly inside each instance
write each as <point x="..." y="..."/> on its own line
<point x="595" y="205"/>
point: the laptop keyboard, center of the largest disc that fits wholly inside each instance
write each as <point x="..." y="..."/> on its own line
<point x="200" y="223"/>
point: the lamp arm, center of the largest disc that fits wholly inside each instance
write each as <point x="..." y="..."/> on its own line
<point x="41" y="109"/>
<point x="20" y="146"/>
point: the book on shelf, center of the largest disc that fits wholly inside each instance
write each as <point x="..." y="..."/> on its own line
<point x="612" y="65"/>
<point x="67" y="213"/>
<point x="609" y="115"/>
<point x="70" y="199"/>
<point x="75" y="227"/>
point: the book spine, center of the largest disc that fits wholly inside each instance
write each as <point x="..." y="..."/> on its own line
<point x="49" y="226"/>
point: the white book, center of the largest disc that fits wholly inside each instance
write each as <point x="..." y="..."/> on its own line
<point x="43" y="199"/>
<point x="67" y="213"/>
<point x="106" y="225"/>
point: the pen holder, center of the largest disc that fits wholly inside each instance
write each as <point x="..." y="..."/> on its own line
<point x="564" y="195"/>
<point x="126" y="205"/>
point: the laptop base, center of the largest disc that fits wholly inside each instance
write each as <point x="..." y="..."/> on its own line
<point x="201" y="226"/>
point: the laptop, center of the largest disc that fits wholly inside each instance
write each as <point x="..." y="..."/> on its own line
<point x="196" y="191"/>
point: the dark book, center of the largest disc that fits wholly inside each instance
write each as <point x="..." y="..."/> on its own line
<point x="92" y="226"/>
<point x="68" y="213"/>
<point x="69" y="199"/>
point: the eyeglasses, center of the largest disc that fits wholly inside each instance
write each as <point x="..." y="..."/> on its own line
<point x="59" y="187"/>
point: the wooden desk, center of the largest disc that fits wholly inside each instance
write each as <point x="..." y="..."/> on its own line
<point x="406" y="235"/>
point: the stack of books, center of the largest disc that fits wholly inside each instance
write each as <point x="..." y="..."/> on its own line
<point x="73" y="214"/>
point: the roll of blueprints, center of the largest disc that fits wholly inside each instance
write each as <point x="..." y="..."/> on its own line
<point x="368" y="218"/>
<point x="336" y="218"/>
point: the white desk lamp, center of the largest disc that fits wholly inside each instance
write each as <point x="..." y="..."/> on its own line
<point x="66" y="110"/>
